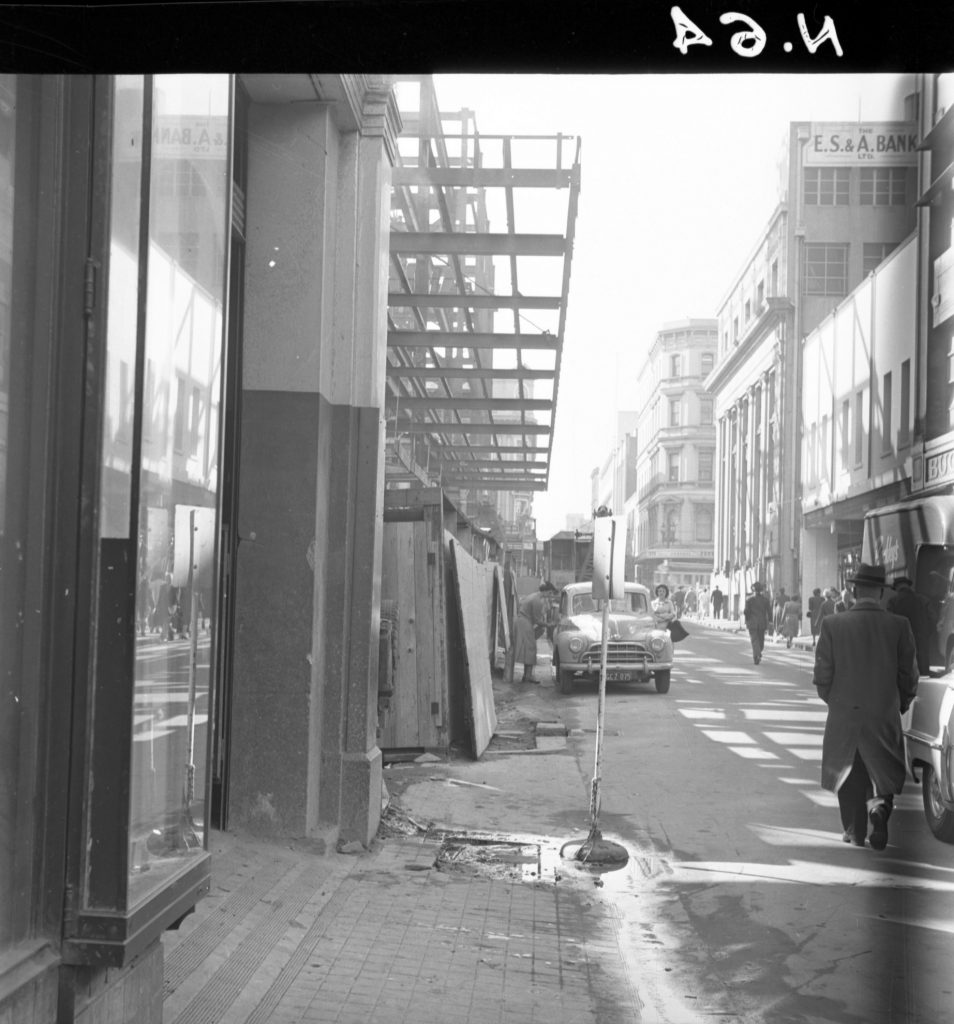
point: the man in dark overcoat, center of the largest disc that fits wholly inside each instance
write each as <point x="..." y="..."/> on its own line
<point x="758" y="614"/>
<point x="914" y="607"/>
<point x="865" y="671"/>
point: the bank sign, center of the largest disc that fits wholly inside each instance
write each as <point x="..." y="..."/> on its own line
<point x="879" y="143"/>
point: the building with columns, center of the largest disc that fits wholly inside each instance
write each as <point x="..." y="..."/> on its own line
<point x="847" y="194"/>
<point x="672" y="508"/>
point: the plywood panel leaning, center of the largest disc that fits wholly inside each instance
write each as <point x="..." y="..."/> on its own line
<point x="470" y="594"/>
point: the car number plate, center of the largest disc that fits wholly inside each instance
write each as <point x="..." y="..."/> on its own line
<point x="619" y="677"/>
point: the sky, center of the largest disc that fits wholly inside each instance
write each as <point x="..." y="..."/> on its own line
<point x="679" y="175"/>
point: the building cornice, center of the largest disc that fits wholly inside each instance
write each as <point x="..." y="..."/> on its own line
<point x="775" y="311"/>
<point x="380" y="115"/>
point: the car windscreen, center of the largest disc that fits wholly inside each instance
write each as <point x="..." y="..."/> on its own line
<point x="631" y="602"/>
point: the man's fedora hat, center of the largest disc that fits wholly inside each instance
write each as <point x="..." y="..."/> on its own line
<point x="869" y="575"/>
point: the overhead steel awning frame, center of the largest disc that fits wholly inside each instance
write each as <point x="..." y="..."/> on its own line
<point x="461" y="398"/>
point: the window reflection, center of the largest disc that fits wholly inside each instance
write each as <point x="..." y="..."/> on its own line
<point x="178" y="474"/>
<point x="11" y="575"/>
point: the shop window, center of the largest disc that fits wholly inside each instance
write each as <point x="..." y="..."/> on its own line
<point x="17" y="724"/>
<point x="144" y="847"/>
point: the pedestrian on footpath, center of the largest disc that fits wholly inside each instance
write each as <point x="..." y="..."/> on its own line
<point x="531" y="617"/>
<point x="778" y="607"/>
<point x="691" y="603"/>
<point x="865" y="672"/>
<point x="758" y="615"/>
<point x="914" y="607"/>
<point x="827" y="607"/>
<point x="664" y="609"/>
<point x="792" y="618"/>
<point x="814" y="603"/>
<point x="716" y="599"/>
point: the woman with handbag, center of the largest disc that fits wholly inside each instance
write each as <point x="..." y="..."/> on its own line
<point x="664" y="609"/>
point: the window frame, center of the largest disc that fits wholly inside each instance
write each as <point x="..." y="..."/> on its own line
<point x="105" y="922"/>
<point x="826" y="186"/>
<point x="882" y="186"/>
<point x="831" y="260"/>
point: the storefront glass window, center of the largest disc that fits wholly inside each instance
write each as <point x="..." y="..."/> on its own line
<point x="11" y="572"/>
<point x="178" y="482"/>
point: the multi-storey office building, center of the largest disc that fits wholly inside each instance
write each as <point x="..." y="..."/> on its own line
<point x="847" y="201"/>
<point x="673" y="505"/>
<point x="878" y="400"/>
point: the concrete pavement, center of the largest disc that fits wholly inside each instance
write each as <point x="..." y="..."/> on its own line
<point x="428" y="925"/>
<point x="403" y="932"/>
<point x="290" y="935"/>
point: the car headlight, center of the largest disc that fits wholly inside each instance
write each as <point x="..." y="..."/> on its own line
<point x="657" y="643"/>
<point x="576" y="644"/>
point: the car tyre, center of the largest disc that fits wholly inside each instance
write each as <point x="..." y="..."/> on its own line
<point x="939" y="819"/>
<point x="661" y="680"/>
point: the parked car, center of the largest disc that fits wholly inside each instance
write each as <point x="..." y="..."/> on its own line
<point x="636" y="650"/>
<point x="929" y="743"/>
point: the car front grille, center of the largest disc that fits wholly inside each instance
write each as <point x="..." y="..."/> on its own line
<point x="629" y="653"/>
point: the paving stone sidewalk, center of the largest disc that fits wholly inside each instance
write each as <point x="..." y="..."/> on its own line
<point x="293" y="935"/>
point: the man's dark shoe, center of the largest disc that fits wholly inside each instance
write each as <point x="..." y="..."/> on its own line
<point x="878" y="816"/>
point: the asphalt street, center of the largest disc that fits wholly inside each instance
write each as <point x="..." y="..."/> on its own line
<point x="740" y="901"/>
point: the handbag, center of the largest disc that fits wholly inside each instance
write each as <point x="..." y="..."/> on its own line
<point x="677" y="631"/>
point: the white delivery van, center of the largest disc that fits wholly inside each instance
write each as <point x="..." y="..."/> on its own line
<point x="916" y="539"/>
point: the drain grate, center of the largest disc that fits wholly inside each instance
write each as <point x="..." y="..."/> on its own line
<point x="489" y="858"/>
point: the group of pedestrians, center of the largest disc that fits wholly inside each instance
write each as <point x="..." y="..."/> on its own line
<point x="868" y="658"/>
<point x="869" y="655"/>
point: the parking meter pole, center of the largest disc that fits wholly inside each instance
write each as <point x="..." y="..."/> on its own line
<point x="600" y="715"/>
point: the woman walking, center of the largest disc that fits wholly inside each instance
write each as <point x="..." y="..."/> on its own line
<point x="791" y="618"/>
<point x="663" y="607"/>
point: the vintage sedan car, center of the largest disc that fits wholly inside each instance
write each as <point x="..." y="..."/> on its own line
<point x="636" y="650"/>
<point x="929" y="743"/>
